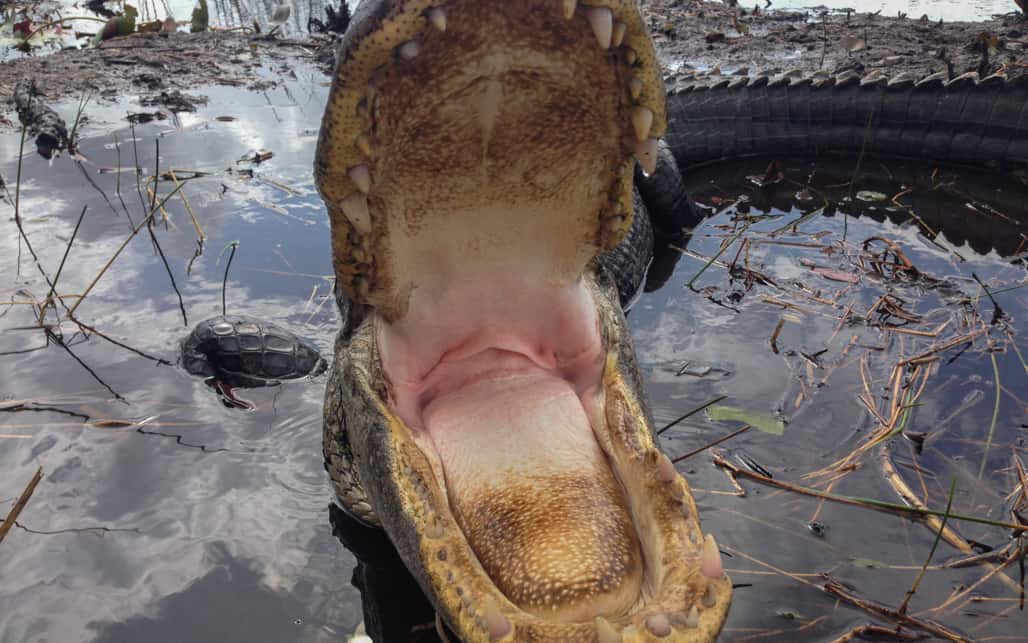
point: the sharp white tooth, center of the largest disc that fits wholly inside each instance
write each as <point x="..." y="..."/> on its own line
<point x="620" y="29"/>
<point x="693" y="618"/>
<point x="601" y="19"/>
<point x="665" y="469"/>
<point x="646" y="154"/>
<point x="659" y="625"/>
<point x="709" y="597"/>
<point x="355" y="207"/>
<point x="642" y="121"/>
<point x="494" y="622"/>
<point x="605" y="632"/>
<point x="635" y="87"/>
<point x="361" y="178"/>
<point x="568" y="6"/>
<point x="363" y="143"/>
<point x="409" y="50"/>
<point x="437" y="17"/>
<point x="631" y="56"/>
<point x="710" y="559"/>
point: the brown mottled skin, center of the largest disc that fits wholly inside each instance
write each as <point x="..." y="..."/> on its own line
<point x="514" y="579"/>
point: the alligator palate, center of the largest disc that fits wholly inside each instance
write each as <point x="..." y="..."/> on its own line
<point x="485" y="407"/>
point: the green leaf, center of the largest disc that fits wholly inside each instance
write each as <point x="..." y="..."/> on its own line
<point x="765" y="422"/>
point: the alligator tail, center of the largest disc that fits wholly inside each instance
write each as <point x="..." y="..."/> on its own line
<point x="966" y="121"/>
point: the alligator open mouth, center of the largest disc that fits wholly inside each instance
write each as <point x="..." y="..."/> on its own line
<point x="475" y="157"/>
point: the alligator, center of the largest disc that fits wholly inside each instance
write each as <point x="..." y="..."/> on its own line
<point x="478" y="162"/>
<point x="965" y="120"/>
<point x="484" y="406"/>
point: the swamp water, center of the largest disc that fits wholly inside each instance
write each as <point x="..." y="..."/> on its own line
<point x="205" y="523"/>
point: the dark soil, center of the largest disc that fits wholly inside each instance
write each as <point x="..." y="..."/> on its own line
<point x="155" y="65"/>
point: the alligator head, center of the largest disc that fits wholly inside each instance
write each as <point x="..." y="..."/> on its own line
<point x="485" y="407"/>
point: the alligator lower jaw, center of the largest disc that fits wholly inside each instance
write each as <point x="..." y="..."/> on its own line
<point x="677" y="589"/>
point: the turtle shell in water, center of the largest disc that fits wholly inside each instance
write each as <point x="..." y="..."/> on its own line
<point x="248" y="352"/>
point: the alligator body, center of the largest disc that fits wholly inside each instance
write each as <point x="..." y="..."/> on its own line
<point x="965" y="120"/>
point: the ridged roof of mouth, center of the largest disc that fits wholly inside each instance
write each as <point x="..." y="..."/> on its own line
<point x="475" y="157"/>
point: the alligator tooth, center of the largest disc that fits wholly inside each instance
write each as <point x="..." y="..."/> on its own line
<point x="709" y="598"/>
<point x="665" y="469"/>
<point x="568" y="6"/>
<point x="620" y="29"/>
<point x="409" y="50"/>
<point x="631" y="56"/>
<point x="659" y="625"/>
<point x="355" y="207"/>
<point x="437" y="17"/>
<point x="678" y="493"/>
<point x="642" y="121"/>
<point x="646" y="154"/>
<point x="693" y="618"/>
<point x="635" y="87"/>
<point x="605" y="632"/>
<point x="362" y="107"/>
<point x="496" y="623"/>
<point x="363" y="143"/>
<point x="361" y="177"/>
<point x="710" y="559"/>
<point x="601" y="19"/>
<point x="435" y="531"/>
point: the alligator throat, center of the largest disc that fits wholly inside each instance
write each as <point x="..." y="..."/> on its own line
<point x="507" y="403"/>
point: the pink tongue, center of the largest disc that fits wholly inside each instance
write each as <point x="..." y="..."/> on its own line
<point x="535" y="496"/>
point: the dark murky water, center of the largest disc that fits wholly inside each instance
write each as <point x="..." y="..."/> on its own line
<point x="211" y="524"/>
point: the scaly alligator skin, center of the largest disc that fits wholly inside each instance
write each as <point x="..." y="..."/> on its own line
<point x="966" y="120"/>
<point x="485" y="408"/>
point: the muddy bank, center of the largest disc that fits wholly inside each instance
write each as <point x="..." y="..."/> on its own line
<point x="149" y="64"/>
<point x="711" y="37"/>
<point x="693" y="37"/>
